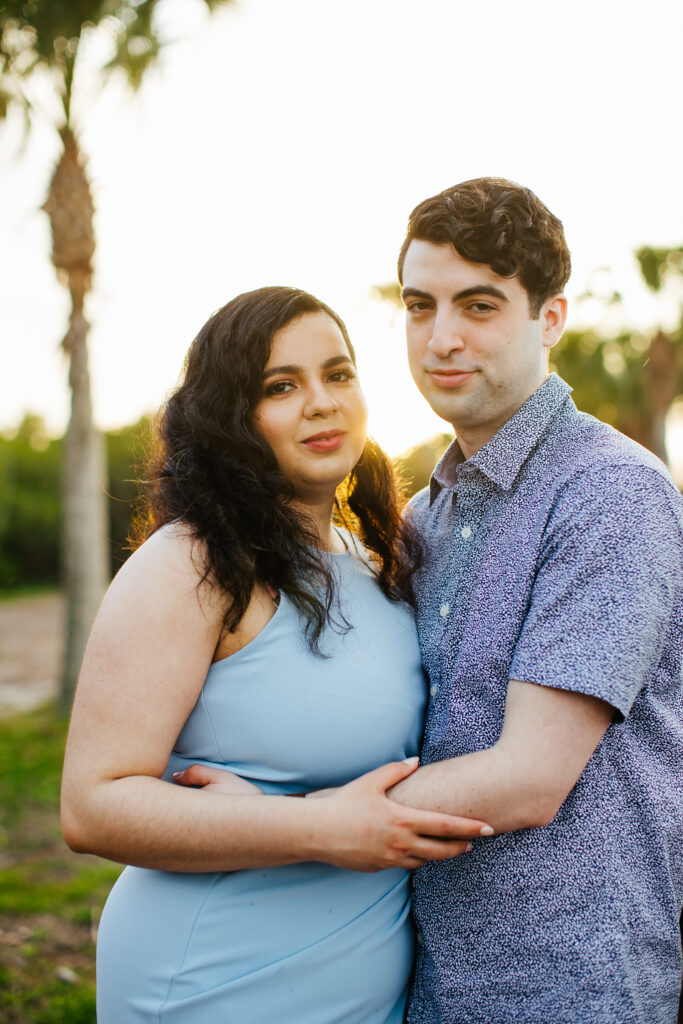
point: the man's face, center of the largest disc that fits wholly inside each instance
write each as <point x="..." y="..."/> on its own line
<point x="474" y="352"/>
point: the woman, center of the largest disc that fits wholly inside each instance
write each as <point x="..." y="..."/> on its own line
<point x="248" y="632"/>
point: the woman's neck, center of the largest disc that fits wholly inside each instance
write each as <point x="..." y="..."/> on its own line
<point x="320" y="514"/>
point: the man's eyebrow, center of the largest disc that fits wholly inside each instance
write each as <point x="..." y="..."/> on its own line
<point x="274" y="371"/>
<point x="481" y="289"/>
<point x="466" y="293"/>
<point x="414" y="293"/>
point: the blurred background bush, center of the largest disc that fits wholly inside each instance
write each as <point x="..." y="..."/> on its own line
<point x="31" y="503"/>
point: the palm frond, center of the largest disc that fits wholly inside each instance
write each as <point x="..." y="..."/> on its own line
<point x="137" y="43"/>
<point x="48" y="34"/>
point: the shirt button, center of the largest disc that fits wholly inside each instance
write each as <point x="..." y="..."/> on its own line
<point x="444" y="610"/>
<point x="434" y="689"/>
<point x="466" y="533"/>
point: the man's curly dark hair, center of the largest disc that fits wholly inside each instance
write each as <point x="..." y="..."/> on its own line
<point x="502" y="224"/>
<point x="212" y="471"/>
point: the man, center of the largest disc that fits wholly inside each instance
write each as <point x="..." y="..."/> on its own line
<point x="550" y="611"/>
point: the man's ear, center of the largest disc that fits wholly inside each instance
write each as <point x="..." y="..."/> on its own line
<point x="553" y="318"/>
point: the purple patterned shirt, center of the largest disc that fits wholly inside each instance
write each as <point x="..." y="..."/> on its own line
<point x="556" y="557"/>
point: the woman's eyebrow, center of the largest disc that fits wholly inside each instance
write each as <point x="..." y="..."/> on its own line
<point x="332" y="361"/>
<point x="336" y="360"/>
<point x="280" y="369"/>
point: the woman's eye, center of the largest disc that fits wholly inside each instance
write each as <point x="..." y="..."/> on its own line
<point x="279" y="387"/>
<point x="340" y="376"/>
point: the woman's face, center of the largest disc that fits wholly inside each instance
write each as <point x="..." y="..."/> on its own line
<point x="312" y="411"/>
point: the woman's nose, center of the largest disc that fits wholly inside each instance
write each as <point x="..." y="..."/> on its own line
<point x="320" y="401"/>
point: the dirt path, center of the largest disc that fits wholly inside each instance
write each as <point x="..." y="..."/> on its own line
<point x="31" y="646"/>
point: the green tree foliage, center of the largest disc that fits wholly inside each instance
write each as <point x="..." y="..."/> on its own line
<point x="631" y="379"/>
<point x="606" y="375"/>
<point x="31" y="505"/>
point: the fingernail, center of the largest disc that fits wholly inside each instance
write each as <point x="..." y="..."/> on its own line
<point x="468" y="847"/>
<point x="176" y="775"/>
<point x="410" y="760"/>
<point x="485" y="830"/>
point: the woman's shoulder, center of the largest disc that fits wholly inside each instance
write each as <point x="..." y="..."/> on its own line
<point x="173" y="547"/>
<point x="170" y="562"/>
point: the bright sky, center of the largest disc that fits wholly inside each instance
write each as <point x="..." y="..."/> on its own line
<point x="286" y="141"/>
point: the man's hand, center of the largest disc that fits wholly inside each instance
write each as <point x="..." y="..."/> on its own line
<point x="216" y="780"/>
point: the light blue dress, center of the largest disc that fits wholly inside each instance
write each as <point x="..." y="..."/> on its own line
<point x="299" y="944"/>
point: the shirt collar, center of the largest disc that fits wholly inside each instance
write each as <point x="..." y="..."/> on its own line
<point x="503" y="456"/>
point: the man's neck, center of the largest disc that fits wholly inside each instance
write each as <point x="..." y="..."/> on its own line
<point x="472" y="440"/>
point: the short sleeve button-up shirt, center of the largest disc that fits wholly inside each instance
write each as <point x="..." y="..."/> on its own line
<point x="555" y="556"/>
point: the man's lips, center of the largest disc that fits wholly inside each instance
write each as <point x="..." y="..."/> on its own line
<point x="325" y="441"/>
<point x="450" y="378"/>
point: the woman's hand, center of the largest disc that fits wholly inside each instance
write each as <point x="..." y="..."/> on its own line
<point x="364" y="830"/>
<point x="216" y="780"/>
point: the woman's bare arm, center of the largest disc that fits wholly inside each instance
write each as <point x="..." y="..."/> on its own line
<point x="147" y="658"/>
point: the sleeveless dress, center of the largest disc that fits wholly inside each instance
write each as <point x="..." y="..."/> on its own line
<point x="299" y="944"/>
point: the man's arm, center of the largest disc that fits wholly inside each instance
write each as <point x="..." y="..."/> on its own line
<point x="600" y="608"/>
<point x="548" y="738"/>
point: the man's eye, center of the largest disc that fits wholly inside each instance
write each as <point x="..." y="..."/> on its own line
<point x="417" y="307"/>
<point x="482" y="307"/>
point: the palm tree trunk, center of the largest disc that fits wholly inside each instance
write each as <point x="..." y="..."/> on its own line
<point x="85" y="554"/>
<point x="661" y="384"/>
<point x="85" y="547"/>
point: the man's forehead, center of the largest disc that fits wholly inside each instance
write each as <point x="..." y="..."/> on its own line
<point x="441" y="263"/>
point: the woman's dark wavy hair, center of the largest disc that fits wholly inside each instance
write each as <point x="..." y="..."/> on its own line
<point x="501" y="223"/>
<point x="212" y="470"/>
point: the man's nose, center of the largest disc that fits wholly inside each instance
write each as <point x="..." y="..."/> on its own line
<point x="446" y="336"/>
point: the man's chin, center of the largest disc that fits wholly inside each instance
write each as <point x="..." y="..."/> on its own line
<point x="454" y="408"/>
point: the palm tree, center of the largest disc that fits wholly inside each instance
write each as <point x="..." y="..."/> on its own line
<point x="40" y="44"/>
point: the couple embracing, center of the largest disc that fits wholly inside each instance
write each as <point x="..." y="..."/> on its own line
<point x="283" y="631"/>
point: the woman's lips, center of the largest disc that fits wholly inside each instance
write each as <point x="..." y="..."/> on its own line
<point x="327" y="441"/>
<point x="450" y="378"/>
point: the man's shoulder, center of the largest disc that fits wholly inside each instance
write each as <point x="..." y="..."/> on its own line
<point x="598" y="483"/>
<point x="586" y="454"/>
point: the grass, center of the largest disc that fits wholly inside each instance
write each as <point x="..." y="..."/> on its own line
<point x="50" y="898"/>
